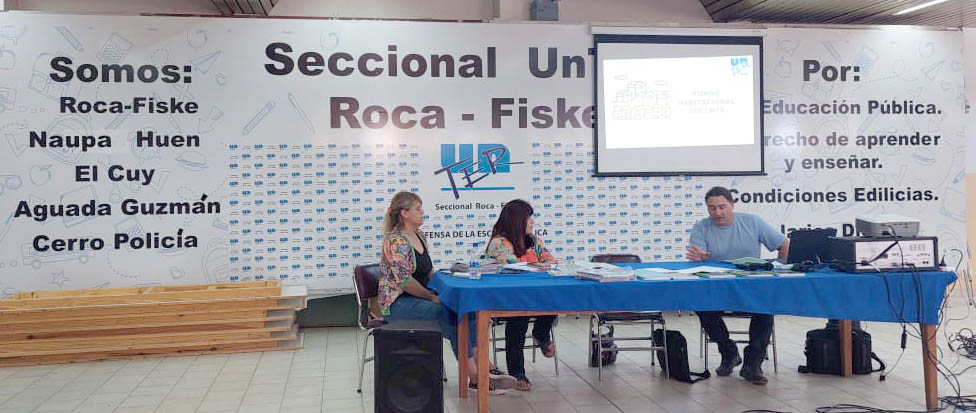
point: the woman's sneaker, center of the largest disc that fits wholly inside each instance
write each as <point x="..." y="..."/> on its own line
<point x="498" y="382"/>
<point x="501" y="380"/>
<point x="491" y="388"/>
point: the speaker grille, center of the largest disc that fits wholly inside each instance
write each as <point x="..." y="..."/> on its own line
<point x="409" y="368"/>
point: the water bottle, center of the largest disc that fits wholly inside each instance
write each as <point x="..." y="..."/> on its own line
<point x="474" y="261"/>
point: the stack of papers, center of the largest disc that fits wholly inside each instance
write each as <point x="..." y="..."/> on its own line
<point x="607" y="274"/>
<point x="717" y="275"/>
<point x="747" y="260"/>
<point x="523" y="267"/>
<point x="774" y="273"/>
<point x="655" y="274"/>
<point x="565" y="269"/>
<point x="562" y="270"/>
<point x="586" y="265"/>
<point x="699" y="272"/>
<point x="704" y="269"/>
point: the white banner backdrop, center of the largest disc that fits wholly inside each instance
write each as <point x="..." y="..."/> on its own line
<point x="276" y="145"/>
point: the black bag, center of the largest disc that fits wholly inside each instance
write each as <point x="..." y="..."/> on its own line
<point x="676" y="366"/>
<point x="823" y="352"/>
<point x="609" y="357"/>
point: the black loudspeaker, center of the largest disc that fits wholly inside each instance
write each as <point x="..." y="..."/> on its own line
<point x="409" y="375"/>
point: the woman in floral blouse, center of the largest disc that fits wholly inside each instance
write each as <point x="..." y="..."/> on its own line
<point x="406" y="267"/>
<point x="513" y="241"/>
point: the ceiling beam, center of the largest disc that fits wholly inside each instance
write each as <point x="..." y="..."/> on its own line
<point x="732" y="9"/>
<point x="245" y="7"/>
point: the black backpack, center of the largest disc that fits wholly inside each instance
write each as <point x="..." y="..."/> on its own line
<point x="609" y="357"/>
<point x="676" y="366"/>
<point x="823" y="352"/>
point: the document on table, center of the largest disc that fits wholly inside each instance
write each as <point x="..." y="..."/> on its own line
<point x="585" y="265"/>
<point x="694" y="270"/>
<point x="607" y="274"/>
<point x="747" y="260"/>
<point x="522" y="267"/>
<point x="563" y="270"/>
<point x="615" y="272"/>
<point x="704" y="269"/>
<point x="654" y="274"/>
<point x="717" y="275"/>
<point x="764" y="274"/>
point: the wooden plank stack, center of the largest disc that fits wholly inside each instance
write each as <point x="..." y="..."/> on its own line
<point x="86" y="325"/>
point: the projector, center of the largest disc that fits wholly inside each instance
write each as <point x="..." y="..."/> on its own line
<point x="886" y="225"/>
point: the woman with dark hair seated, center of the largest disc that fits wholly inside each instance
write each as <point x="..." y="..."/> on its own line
<point x="405" y="268"/>
<point x="513" y="240"/>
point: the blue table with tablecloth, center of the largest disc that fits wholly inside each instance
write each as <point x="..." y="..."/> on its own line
<point x="908" y="297"/>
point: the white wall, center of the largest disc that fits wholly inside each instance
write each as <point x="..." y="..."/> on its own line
<point x="646" y="11"/>
<point x="388" y="9"/>
<point x="969" y="54"/>
<point x="969" y="63"/>
<point x="658" y="11"/>
<point x="575" y="11"/>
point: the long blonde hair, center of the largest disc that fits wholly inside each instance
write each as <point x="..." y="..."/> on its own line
<point x="401" y="201"/>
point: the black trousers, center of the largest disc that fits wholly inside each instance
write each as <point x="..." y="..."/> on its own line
<point x="760" y="331"/>
<point x="515" y="329"/>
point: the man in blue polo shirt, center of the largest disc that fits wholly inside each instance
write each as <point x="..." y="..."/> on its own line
<point x="727" y="235"/>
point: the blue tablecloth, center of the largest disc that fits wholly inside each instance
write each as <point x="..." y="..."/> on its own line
<point x="827" y="293"/>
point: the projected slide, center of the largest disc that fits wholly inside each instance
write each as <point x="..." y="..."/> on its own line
<point x="687" y="101"/>
<point x="678" y="105"/>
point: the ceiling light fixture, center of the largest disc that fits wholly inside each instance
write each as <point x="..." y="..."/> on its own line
<point x="920" y="6"/>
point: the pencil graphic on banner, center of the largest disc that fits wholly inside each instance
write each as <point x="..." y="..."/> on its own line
<point x="256" y="120"/>
<point x="6" y="226"/>
<point x="115" y="123"/>
<point x="70" y="38"/>
<point x="959" y="176"/>
<point x="294" y="104"/>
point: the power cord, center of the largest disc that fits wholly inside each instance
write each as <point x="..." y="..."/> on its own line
<point x="964" y="403"/>
<point x="856" y="408"/>
<point x="957" y="401"/>
<point x="965" y="343"/>
<point x="763" y="411"/>
<point x="900" y="315"/>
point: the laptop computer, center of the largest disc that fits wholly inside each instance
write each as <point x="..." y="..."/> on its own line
<point x="810" y="245"/>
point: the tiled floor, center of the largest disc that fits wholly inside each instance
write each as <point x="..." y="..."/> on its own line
<point x="322" y="377"/>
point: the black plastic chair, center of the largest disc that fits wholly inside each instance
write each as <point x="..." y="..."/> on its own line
<point x="649" y="318"/>
<point x="366" y="279"/>
<point x="529" y="344"/>
<point x="703" y="349"/>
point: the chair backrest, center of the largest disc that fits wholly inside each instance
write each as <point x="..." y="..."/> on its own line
<point x="616" y="258"/>
<point x="366" y="277"/>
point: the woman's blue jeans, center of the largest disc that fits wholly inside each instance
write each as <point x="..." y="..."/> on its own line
<point x="408" y="307"/>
